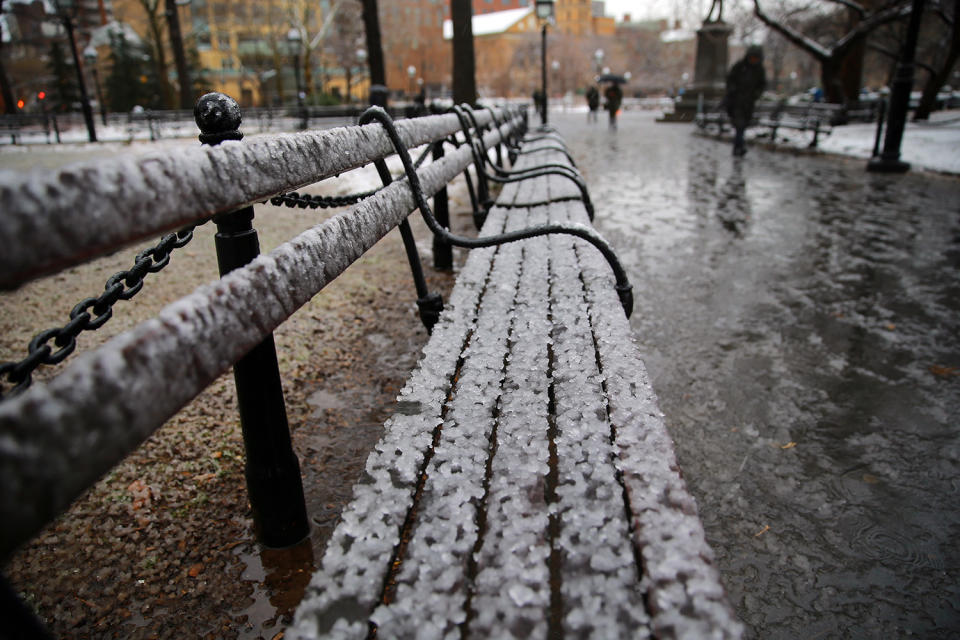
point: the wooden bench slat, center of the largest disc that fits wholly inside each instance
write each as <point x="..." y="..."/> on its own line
<point x="341" y="595"/>
<point x="512" y="585"/>
<point x="431" y="593"/>
<point x="684" y="590"/>
<point x="602" y="592"/>
<point x="431" y="578"/>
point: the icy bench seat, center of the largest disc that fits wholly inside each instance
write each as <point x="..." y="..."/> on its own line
<point x="526" y="486"/>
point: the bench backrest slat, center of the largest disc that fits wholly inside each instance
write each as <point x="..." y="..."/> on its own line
<point x="56" y="219"/>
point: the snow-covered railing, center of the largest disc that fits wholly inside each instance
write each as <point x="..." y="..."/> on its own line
<point x="55" y="219"/>
<point x="58" y="438"/>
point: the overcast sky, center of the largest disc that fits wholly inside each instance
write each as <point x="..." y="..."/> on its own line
<point x="694" y="10"/>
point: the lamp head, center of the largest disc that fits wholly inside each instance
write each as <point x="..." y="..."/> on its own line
<point x="544" y="9"/>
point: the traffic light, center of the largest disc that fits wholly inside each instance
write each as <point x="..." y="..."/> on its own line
<point x="41" y="95"/>
<point x="21" y="104"/>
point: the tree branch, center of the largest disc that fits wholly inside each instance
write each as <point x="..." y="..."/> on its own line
<point x="893" y="55"/>
<point x="809" y="45"/>
<point x="865" y="26"/>
<point x="851" y="5"/>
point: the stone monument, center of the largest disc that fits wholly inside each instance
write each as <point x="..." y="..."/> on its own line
<point x="710" y="67"/>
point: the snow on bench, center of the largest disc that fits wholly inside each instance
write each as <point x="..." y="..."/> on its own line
<point x="526" y="486"/>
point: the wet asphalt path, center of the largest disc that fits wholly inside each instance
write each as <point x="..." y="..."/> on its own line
<point x="800" y="321"/>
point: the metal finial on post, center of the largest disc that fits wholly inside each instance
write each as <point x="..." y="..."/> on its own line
<point x="218" y="116"/>
<point x="274" y="485"/>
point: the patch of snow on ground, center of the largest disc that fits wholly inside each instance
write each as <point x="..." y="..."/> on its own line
<point x="932" y="145"/>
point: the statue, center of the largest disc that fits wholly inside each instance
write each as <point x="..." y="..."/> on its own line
<point x="717" y="4"/>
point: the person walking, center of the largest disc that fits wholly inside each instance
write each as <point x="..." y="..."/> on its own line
<point x="745" y="82"/>
<point x="614" y="96"/>
<point x="540" y="104"/>
<point x="593" y="102"/>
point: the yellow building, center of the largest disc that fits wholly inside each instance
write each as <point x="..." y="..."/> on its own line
<point x="574" y="17"/>
<point x="244" y="48"/>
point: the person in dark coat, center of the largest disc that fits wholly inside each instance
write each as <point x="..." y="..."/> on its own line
<point x="745" y="82"/>
<point x="593" y="101"/>
<point x="614" y="96"/>
<point x="540" y="103"/>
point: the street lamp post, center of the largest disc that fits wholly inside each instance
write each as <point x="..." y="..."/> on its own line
<point x="889" y="160"/>
<point x="90" y="55"/>
<point x="411" y="73"/>
<point x="544" y="14"/>
<point x="598" y="58"/>
<point x="294" y="38"/>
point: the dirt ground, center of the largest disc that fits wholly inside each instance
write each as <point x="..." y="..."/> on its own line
<point x="162" y="547"/>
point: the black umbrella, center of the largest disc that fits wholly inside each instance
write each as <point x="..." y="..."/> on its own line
<point x="611" y="77"/>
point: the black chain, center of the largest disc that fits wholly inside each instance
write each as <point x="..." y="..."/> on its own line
<point x="120" y="286"/>
<point x="302" y="201"/>
<point x="294" y="199"/>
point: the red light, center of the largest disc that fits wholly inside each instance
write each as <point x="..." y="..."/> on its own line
<point x="21" y="104"/>
<point x="41" y="95"/>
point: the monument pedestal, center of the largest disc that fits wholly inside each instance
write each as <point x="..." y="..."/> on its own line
<point x="710" y="71"/>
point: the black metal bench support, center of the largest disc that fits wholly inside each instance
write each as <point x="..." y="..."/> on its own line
<point x="442" y="250"/>
<point x="273" y="477"/>
<point x="623" y="287"/>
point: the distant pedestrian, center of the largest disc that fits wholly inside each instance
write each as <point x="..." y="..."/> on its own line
<point x="593" y="102"/>
<point x="540" y="103"/>
<point x="614" y="97"/>
<point x="745" y="82"/>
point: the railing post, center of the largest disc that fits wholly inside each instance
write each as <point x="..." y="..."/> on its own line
<point x="442" y="251"/>
<point x="273" y="473"/>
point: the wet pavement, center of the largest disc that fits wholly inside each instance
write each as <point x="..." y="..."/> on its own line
<point x="800" y="321"/>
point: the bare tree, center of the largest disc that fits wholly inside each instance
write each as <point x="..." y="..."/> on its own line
<point x="179" y="55"/>
<point x="946" y="56"/>
<point x="371" y="26"/>
<point x="841" y="62"/>
<point x="6" y="91"/>
<point x="939" y="54"/>
<point x="464" y="64"/>
<point x="346" y="40"/>
<point x="154" y="12"/>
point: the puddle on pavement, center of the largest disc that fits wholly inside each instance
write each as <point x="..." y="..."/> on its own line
<point x="799" y="319"/>
<point x="279" y="578"/>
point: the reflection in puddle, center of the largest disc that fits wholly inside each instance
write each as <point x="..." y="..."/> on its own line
<point x="279" y="578"/>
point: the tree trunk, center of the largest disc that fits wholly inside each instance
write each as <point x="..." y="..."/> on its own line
<point x="464" y="65"/>
<point x="179" y="57"/>
<point x="851" y="71"/>
<point x="830" y="80"/>
<point x="156" y="30"/>
<point x="371" y="24"/>
<point x="6" y="91"/>
<point x="935" y="82"/>
<point x="938" y="78"/>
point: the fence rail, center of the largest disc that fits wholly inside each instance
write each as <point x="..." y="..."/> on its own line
<point x="58" y="438"/>
<point x="55" y="219"/>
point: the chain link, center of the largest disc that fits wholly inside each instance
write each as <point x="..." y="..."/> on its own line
<point x="120" y="286"/>
<point x="302" y="201"/>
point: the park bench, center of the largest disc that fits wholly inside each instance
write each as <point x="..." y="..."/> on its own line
<point x="815" y="117"/>
<point x="525" y="486"/>
<point x="17" y="125"/>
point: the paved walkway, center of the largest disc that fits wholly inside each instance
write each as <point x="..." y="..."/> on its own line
<point x="799" y="318"/>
